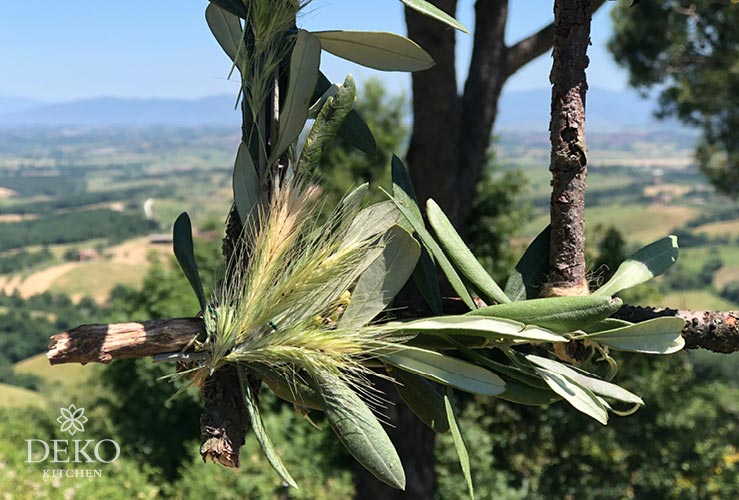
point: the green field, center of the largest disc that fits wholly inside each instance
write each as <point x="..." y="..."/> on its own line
<point x="64" y="376"/>
<point x="640" y="224"/>
<point x="691" y="259"/>
<point x="97" y="279"/>
<point x="729" y="228"/>
<point x="13" y="397"/>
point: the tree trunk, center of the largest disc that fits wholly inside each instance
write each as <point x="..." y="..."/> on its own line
<point x="432" y="153"/>
<point x="485" y="80"/>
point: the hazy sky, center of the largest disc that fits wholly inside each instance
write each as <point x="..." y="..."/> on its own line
<point x="61" y="50"/>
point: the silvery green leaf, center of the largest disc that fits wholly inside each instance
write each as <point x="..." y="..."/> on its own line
<point x="464" y="459"/>
<point x="372" y="221"/>
<point x="465" y="262"/>
<point x="235" y="7"/>
<point x="422" y="398"/>
<point x="294" y="390"/>
<point x="260" y="433"/>
<point x="245" y="184"/>
<point x="434" y="249"/>
<point x="383" y="279"/>
<point x="446" y="370"/>
<point x="559" y="314"/>
<point x="606" y="324"/>
<point x="531" y="271"/>
<point x="360" y="432"/>
<point x="654" y="336"/>
<point x="378" y="50"/>
<point x="490" y="328"/>
<point x="226" y="28"/>
<point x="648" y="262"/>
<point x="432" y="11"/>
<point x="596" y="385"/>
<point x="424" y="275"/>
<point x="578" y="396"/>
<point x="356" y="132"/>
<point x="302" y="79"/>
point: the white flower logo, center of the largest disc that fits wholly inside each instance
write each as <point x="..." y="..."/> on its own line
<point x="72" y="419"/>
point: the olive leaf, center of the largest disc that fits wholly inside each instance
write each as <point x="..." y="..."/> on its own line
<point x="581" y="398"/>
<point x="464" y="458"/>
<point x="654" y="336"/>
<point x="295" y="390"/>
<point x="245" y="184"/>
<point x="260" y="433"/>
<point x="226" y="29"/>
<point x="531" y="271"/>
<point x="489" y="328"/>
<point x="235" y="7"/>
<point x="465" y="262"/>
<point x="422" y="399"/>
<point x="303" y="76"/>
<point x="446" y="370"/>
<point x="183" y="251"/>
<point x="559" y="314"/>
<point x="424" y="275"/>
<point x="648" y="262"/>
<point x="378" y="50"/>
<point x="355" y="131"/>
<point x="435" y="250"/>
<point x="360" y="432"/>
<point x="383" y="279"/>
<point x="372" y="220"/>
<point x="596" y="385"/>
<point x="432" y="11"/>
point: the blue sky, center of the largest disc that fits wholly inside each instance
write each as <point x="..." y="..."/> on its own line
<point x="55" y="50"/>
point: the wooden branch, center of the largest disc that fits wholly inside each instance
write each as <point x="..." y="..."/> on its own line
<point x="568" y="162"/>
<point x="716" y="331"/>
<point x="531" y="47"/>
<point x="103" y="343"/>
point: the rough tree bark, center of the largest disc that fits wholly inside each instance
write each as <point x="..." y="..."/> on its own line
<point x="568" y="162"/>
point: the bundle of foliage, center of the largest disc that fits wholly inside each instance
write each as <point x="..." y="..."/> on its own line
<point x="297" y="305"/>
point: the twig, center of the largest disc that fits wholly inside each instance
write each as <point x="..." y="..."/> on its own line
<point x="103" y="343"/>
<point x="569" y="153"/>
<point x="716" y="331"/>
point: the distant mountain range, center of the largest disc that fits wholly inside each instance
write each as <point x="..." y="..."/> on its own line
<point x="519" y="110"/>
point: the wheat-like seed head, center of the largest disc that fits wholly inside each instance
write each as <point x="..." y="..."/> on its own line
<point x="280" y="309"/>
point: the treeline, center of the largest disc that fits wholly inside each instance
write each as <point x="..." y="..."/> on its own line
<point x="136" y="194"/>
<point x="42" y="185"/>
<point x="72" y="227"/>
<point x="24" y="260"/>
<point x="27" y="324"/>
